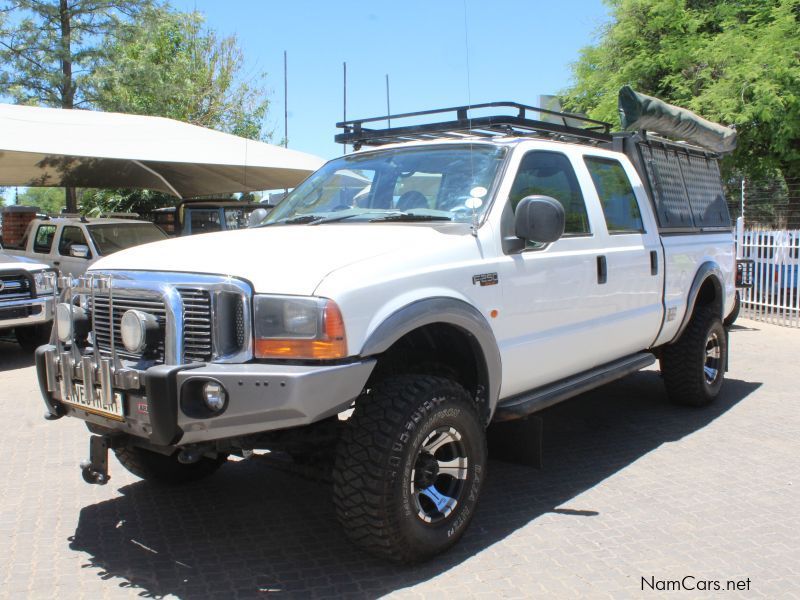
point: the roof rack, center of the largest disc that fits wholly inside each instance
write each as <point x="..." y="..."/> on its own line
<point x="570" y="128"/>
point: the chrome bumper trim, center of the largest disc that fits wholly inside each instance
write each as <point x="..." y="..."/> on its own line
<point x="44" y="315"/>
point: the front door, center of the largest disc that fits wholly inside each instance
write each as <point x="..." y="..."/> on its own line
<point x="66" y="263"/>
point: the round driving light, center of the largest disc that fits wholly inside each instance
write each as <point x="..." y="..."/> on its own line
<point x="64" y="321"/>
<point x="138" y="330"/>
<point x="214" y="396"/>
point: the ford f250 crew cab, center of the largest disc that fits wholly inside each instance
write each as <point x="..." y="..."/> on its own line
<point x="449" y="275"/>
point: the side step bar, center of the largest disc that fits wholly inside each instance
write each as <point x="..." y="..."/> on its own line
<point x="526" y="403"/>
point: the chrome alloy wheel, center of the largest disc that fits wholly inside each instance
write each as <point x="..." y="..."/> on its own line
<point x="439" y="474"/>
<point x="712" y="366"/>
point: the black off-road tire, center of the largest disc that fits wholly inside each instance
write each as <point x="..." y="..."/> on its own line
<point x="737" y="306"/>
<point x="33" y="336"/>
<point x="164" y="469"/>
<point x="383" y="476"/>
<point x="694" y="366"/>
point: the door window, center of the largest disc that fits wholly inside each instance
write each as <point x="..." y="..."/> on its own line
<point x="71" y="236"/>
<point x="44" y="238"/>
<point x="544" y="173"/>
<point x="616" y="195"/>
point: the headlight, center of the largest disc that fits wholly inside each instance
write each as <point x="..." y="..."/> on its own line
<point x="45" y="282"/>
<point x="298" y="327"/>
<point x="139" y="331"/>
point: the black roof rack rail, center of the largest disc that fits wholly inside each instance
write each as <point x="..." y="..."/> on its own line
<point x="485" y="126"/>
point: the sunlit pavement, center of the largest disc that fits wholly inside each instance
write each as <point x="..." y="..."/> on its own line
<point x="634" y="494"/>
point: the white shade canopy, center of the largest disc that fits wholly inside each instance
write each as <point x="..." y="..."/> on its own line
<point x="50" y="147"/>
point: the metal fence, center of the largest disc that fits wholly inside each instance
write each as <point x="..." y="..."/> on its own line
<point x="774" y="297"/>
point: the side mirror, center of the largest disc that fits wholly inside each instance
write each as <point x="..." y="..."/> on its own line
<point x="79" y="251"/>
<point x="257" y="216"/>
<point x="539" y="219"/>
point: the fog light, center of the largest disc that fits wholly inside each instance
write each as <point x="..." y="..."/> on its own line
<point x="71" y="321"/>
<point x="139" y="331"/>
<point x="214" y="395"/>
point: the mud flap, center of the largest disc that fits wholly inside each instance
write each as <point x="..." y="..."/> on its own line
<point x="518" y="441"/>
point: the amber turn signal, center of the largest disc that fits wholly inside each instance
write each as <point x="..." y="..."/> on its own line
<point x="329" y="344"/>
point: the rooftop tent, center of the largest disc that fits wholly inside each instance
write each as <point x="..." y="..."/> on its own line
<point x="639" y="111"/>
<point x="50" y="147"/>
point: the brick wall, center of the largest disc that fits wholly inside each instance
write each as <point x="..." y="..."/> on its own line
<point x="15" y="222"/>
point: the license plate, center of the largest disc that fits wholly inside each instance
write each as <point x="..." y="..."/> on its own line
<point x="93" y="402"/>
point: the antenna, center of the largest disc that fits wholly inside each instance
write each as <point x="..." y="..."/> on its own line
<point x="344" y="65"/>
<point x="285" y="102"/>
<point x="388" y="109"/>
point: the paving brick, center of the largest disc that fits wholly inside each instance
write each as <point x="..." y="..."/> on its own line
<point x="632" y="487"/>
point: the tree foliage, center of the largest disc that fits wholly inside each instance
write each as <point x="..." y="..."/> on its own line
<point x="169" y="65"/>
<point x="736" y="63"/>
<point x="132" y="56"/>
<point x="48" y="200"/>
<point x="50" y="48"/>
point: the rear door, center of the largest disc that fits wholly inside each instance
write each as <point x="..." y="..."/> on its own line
<point x="632" y="250"/>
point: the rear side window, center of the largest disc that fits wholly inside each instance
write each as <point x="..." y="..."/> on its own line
<point x="543" y="173"/>
<point x="44" y="238"/>
<point x="70" y="236"/>
<point x="616" y="195"/>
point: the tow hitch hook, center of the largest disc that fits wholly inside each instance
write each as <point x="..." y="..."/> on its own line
<point x="95" y="470"/>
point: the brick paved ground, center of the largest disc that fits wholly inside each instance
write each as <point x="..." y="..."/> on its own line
<point x="632" y="487"/>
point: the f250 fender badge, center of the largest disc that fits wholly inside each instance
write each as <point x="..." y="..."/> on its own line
<point x="485" y="279"/>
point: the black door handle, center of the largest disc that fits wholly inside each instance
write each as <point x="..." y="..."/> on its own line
<point x="653" y="262"/>
<point x="56" y="263"/>
<point x="602" y="269"/>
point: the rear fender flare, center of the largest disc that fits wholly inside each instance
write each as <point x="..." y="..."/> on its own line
<point x="708" y="271"/>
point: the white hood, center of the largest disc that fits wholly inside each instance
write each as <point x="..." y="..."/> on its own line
<point x="290" y="259"/>
<point x="17" y="262"/>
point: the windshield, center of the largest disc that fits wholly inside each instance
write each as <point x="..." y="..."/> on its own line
<point x="437" y="183"/>
<point x="112" y="237"/>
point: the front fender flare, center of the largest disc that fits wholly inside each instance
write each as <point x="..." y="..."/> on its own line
<point x="450" y="311"/>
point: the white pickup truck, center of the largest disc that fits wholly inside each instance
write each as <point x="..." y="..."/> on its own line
<point x="26" y="300"/>
<point x="395" y="304"/>
<point x="71" y="244"/>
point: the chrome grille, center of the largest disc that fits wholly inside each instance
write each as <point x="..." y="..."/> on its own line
<point x="15" y="287"/>
<point x="196" y="324"/>
<point x="202" y="318"/>
<point x="102" y="323"/>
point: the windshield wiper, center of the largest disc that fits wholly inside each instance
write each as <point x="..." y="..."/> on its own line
<point x="335" y="218"/>
<point x="410" y="217"/>
<point x="300" y="220"/>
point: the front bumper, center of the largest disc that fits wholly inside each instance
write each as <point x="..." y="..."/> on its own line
<point x="161" y="403"/>
<point x="22" y="313"/>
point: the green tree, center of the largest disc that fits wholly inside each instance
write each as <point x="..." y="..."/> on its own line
<point x="736" y="63"/>
<point x="48" y="200"/>
<point x="48" y="49"/>
<point x="170" y="66"/>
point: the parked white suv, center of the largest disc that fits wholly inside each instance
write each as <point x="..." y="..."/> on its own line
<point x="433" y="286"/>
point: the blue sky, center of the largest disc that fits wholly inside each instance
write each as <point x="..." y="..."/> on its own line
<point x="517" y="50"/>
